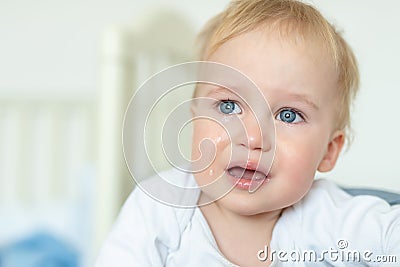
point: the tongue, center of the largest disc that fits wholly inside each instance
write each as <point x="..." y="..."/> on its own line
<point x="239" y="172"/>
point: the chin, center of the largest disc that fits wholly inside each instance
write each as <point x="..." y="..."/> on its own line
<point x="245" y="204"/>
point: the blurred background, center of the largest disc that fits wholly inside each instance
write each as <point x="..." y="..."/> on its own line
<point x="67" y="71"/>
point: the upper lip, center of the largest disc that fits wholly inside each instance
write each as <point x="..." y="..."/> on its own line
<point x="250" y="165"/>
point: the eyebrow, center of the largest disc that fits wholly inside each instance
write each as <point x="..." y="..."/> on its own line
<point x="303" y="98"/>
<point x="219" y="90"/>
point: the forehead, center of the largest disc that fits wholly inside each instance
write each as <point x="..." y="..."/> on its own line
<point x="276" y="63"/>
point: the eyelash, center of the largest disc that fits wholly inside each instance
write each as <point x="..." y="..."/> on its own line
<point x="219" y="102"/>
<point x="297" y="112"/>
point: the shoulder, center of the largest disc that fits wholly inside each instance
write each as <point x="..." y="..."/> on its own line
<point x="337" y="202"/>
<point x="172" y="188"/>
<point x="327" y="214"/>
<point x="151" y="221"/>
<point x="168" y="196"/>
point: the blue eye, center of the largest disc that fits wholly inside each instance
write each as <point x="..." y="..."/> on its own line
<point x="290" y="116"/>
<point x="229" y="107"/>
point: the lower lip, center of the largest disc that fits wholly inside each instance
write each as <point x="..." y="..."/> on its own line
<point x="242" y="183"/>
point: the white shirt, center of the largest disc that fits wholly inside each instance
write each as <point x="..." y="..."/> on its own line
<point x="326" y="224"/>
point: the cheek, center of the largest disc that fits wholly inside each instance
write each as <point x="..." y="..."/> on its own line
<point x="210" y="150"/>
<point x="307" y="157"/>
<point x="304" y="147"/>
<point x="208" y="137"/>
<point x="295" y="169"/>
<point x="300" y="157"/>
<point x="300" y="166"/>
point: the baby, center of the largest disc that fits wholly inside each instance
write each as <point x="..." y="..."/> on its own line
<point x="258" y="203"/>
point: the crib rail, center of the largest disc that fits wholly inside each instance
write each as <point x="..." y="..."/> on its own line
<point x="46" y="143"/>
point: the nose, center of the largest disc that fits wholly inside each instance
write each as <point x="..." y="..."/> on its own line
<point x="259" y="132"/>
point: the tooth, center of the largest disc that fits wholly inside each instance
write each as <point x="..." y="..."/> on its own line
<point x="237" y="172"/>
<point x="259" y="175"/>
<point x="255" y="183"/>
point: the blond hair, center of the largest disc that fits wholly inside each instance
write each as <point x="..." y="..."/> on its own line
<point x="289" y="17"/>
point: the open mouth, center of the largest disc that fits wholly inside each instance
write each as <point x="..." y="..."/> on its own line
<point x="247" y="179"/>
<point x="242" y="173"/>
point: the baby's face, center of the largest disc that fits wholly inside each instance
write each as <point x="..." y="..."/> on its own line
<point x="295" y="133"/>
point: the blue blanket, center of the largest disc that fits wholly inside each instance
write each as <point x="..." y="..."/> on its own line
<point x="39" y="250"/>
<point x="391" y="198"/>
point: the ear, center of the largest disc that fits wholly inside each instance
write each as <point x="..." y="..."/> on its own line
<point x="332" y="153"/>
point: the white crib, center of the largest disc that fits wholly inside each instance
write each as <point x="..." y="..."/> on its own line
<point x="61" y="161"/>
<point x="47" y="180"/>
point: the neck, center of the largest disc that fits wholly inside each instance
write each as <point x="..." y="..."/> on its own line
<point x="264" y="219"/>
<point x="252" y="231"/>
<point x="264" y="222"/>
